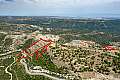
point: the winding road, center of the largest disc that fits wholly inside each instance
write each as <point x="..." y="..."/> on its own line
<point x="37" y="73"/>
<point x="6" y="70"/>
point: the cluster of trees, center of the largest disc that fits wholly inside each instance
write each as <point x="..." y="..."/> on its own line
<point x="81" y="24"/>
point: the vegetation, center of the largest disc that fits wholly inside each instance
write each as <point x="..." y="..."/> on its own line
<point x="27" y="44"/>
<point x="76" y="59"/>
<point x="20" y="74"/>
<point x="5" y="62"/>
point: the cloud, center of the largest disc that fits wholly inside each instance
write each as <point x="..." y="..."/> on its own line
<point x="6" y="2"/>
<point x="9" y="0"/>
<point x="59" y="7"/>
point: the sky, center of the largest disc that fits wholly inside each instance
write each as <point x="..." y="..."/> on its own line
<point x="71" y="8"/>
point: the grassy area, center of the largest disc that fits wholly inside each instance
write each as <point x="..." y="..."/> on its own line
<point x="2" y="36"/>
<point x="3" y="75"/>
<point x="17" y="70"/>
<point x="27" y="43"/>
<point x="20" y="74"/>
<point x="45" y="62"/>
<point x="5" y="63"/>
